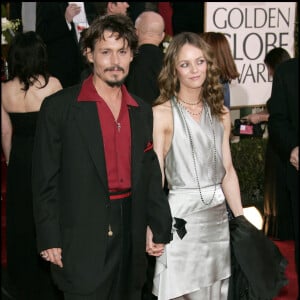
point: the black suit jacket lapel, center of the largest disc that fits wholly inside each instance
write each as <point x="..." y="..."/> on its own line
<point x="137" y="143"/>
<point x="88" y="123"/>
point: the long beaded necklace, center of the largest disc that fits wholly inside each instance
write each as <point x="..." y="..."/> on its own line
<point x="194" y="153"/>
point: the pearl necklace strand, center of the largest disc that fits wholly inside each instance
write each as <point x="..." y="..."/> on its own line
<point x="194" y="155"/>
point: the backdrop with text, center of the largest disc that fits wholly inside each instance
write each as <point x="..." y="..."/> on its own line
<point x="252" y="29"/>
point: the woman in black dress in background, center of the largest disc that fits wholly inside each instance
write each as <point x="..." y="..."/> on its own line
<point x="28" y="84"/>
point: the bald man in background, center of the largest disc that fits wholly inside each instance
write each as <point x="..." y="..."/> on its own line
<point x="147" y="63"/>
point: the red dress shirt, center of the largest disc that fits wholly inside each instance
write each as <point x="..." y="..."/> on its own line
<point x="116" y="135"/>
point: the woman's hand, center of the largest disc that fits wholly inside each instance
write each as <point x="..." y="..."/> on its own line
<point x="152" y="248"/>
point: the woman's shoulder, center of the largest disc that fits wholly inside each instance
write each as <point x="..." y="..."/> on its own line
<point x="49" y="89"/>
<point x="162" y="114"/>
<point x="8" y="85"/>
<point x="164" y="108"/>
<point x="54" y="80"/>
<point x="54" y="84"/>
<point x="10" y="89"/>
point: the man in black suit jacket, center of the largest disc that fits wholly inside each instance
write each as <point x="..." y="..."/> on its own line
<point x="283" y="107"/>
<point x="148" y="61"/>
<point x="54" y="23"/>
<point x="97" y="184"/>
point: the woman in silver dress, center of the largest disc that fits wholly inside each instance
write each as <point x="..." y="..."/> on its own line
<point x="191" y="139"/>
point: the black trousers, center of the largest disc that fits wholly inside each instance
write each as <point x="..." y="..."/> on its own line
<point x="147" y="288"/>
<point x="114" y="284"/>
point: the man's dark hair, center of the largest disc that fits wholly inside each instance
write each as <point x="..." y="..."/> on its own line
<point x="275" y="57"/>
<point x="120" y="24"/>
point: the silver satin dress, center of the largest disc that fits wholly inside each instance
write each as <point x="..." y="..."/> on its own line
<point x="198" y="265"/>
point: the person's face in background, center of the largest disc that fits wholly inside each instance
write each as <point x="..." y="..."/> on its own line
<point x="118" y="8"/>
<point x="111" y="59"/>
<point x="191" y="67"/>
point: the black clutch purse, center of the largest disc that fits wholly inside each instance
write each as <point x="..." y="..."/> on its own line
<point x="242" y="127"/>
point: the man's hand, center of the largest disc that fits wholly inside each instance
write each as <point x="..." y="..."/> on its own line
<point x="152" y="248"/>
<point x="53" y="255"/>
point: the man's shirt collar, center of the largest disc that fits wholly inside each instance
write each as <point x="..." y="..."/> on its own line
<point x="88" y="93"/>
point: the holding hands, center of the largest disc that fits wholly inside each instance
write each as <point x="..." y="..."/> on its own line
<point x="152" y="248"/>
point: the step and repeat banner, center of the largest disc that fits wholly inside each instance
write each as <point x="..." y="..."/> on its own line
<point x="252" y="29"/>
